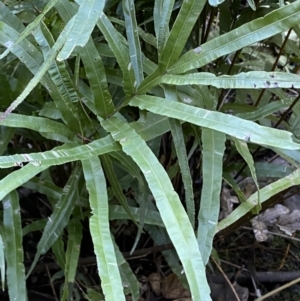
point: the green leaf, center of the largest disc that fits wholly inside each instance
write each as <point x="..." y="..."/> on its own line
<point x="133" y="40"/>
<point x="72" y="253"/>
<point x="162" y="13"/>
<point x="95" y="73"/>
<point x="6" y="33"/>
<point x="252" y="4"/>
<point x="215" y="3"/>
<point x="129" y="279"/>
<point x="30" y="26"/>
<point x="93" y="295"/>
<point x="9" y="18"/>
<point x="248" y="80"/>
<point x="179" y="143"/>
<point x="59" y="217"/>
<point x="12" y="230"/>
<point x="37" y="225"/>
<point x="117" y="190"/>
<point x="99" y="226"/>
<point x="5" y="135"/>
<point x="152" y="217"/>
<point x="61" y="79"/>
<point x="242" y="148"/>
<point x="213" y="147"/>
<point x="33" y="60"/>
<point x="265" y="194"/>
<point x="2" y="262"/>
<point x="119" y="46"/>
<point x="58" y="249"/>
<point x="260" y="29"/>
<point x="18" y="177"/>
<point x="168" y="203"/>
<point x="48" y="128"/>
<point x="67" y="153"/>
<point x="265" y="110"/>
<point x="228" y="124"/>
<point x="81" y="29"/>
<point x="184" y="23"/>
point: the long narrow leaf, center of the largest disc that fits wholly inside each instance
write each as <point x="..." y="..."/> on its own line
<point x="61" y="79"/>
<point x="119" y="46"/>
<point x="168" y="203"/>
<point x="5" y="135"/>
<point x="231" y="125"/>
<point x="72" y="254"/>
<point x="242" y="148"/>
<point x="59" y="217"/>
<point x="248" y="80"/>
<point x="162" y="13"/>
<point x="12" y="227"/>
<point x="58" y="249"/>
<point x="73" y="249"/>
<point x="117" y="190"/>
<point x="186" y="19"/>
<point x="179" y="143"/>
<point x="80" y="30"/>
<point x="95" y="73"/>
<point x="265" y="110"/>
<point x="128" y="277"/>
<point x="46" y="127"/>
<point x="213" y="147"/>
<point x="99" y="226"/>
<point x="2" y="261"/>
<point x="30" y="26"/>
<point x="68" y="153"/>
<point x="265" y="194"/>
<point x="42" y="70"/>
<point x="18" y="177"/>
<point x="260" y="29"/>
<point x="133" y="40"/>
<point x="7" y="16"/>
<point x="28" y="54"/>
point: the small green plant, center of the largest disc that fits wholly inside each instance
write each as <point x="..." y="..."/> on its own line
<point x="94" y="86"/>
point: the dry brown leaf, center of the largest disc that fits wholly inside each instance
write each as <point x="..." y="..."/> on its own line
<point x="155" y="283"/>
<point x="173" y="289"/>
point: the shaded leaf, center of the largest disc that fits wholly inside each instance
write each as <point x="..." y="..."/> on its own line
<point x="60" y="216"/>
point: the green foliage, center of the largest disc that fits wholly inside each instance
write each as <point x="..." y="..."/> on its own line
<point x="126" y="95"/>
